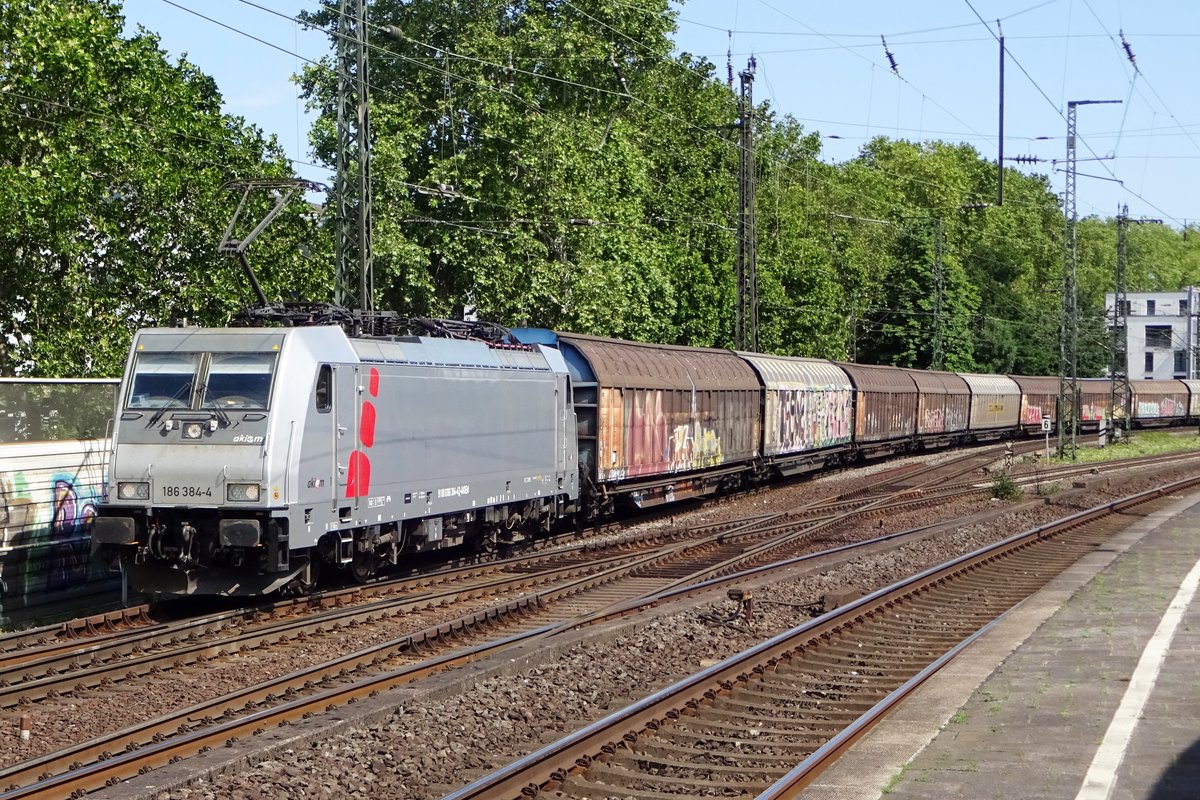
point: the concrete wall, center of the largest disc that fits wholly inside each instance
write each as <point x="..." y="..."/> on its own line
<point x="50" y="491"/>
<point x="53" y="459"/>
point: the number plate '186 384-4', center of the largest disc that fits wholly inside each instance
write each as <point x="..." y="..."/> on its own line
<point x="187" y="491"/>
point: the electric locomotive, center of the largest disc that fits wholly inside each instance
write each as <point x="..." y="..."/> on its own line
<point x="246" y="459"/>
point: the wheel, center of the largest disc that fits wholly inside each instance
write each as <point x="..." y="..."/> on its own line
<point x="362" y="568"/>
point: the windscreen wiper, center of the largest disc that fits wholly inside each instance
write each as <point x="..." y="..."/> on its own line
<point x="163" y="409"/>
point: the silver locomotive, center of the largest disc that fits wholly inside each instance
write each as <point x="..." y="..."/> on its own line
<point x="246" y="459"/>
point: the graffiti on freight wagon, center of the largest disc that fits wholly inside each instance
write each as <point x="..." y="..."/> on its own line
<point x="942" y="414"/>
<point x="812" y="418"/>
<point x="648" y="431"/>
<point x="1157" y="408"/>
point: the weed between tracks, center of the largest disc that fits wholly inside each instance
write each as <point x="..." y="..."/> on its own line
<point x="1005" y="488"/>
<point x="891" y="785"/>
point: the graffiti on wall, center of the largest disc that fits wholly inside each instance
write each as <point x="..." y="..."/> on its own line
<point x="70" y="546"/>
<point x="812" y="418"/>
<point x="44" y="527"/>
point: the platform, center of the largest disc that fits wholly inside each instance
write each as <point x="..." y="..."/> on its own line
<point x="1090" y="689"/>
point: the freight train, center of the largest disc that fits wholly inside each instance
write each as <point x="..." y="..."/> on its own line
<point x="245" y="460"/>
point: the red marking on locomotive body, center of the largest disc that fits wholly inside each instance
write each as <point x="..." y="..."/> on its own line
<point x="366" y="425"/>
<point x="358" y="478"/>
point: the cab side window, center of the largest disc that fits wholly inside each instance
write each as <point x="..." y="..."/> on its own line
<point x="324" y="392"/>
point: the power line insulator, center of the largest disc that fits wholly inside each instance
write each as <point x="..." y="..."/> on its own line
<point x="891" y="58"/>
<point x="1128" y="51"/>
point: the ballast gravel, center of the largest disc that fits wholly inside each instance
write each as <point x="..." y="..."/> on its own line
<point x="428" y="748"/>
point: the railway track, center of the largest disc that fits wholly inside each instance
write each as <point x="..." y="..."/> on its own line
<point x="116" y="623"/>
<point x="577" y="598"/>
<point x="369" y="670"/>
<point x="65" y="636"/>
<point x="103" y="637"/>
<point x="765" y="722"/>
<point x="601" y="589"/>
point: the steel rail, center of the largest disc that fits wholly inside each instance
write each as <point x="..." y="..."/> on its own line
<point x="550" y="765"/>
<point x="96" y="665"/>
<point x="806" y="771"/>
<point x="140" y="736"/>
<point x="53" y="648"/>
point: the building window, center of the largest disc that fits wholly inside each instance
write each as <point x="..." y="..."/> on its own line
<point x="1126" y="308"/>
<point x="1180" y="362"/>
<point x="1149" y="362"/>
<point x="1183" y="307"/>
<point x="1158" y="336"/>
<point x="1149" y="308"/>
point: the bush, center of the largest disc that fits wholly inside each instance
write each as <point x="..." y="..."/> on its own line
<point x="1005" y="488"/>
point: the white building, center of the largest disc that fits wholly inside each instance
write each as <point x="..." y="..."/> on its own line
<point x="1161" y="330"/>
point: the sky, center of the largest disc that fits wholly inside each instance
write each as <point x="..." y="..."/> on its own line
<point x="827" y="65"/>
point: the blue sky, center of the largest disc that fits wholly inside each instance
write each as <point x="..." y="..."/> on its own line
<point x="825" y="64"/>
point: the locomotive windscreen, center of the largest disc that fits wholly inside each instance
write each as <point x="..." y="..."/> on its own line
<point x="238" y="380"/>
<point x="163" y="380"/>
<point x="211" y="380"/>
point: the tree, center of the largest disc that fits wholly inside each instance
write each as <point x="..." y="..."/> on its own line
<point x="111" y="163"/>
<point x="588" y="167"/>
<point x="801" y="294"/>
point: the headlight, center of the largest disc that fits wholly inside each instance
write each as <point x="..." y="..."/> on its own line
<point x="193" y="430"/>
<point x="133" y="490"/>
<point x="242" y="492"/>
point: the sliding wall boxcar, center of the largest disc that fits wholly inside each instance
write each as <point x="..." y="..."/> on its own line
<point x="1095" y="396"/>
<point x="885" y="404"/>
<point x="995" y="402"/>
<point x="665" y="410"/>
<point x="807" y="404"/>
<point x="1193" y="387"/>
<point x="1159" y="402"/>
<point x="1039" y="398"/>
<point x="943" y="403"/>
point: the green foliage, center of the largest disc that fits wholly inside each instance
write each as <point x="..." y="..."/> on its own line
<point x="1049" y="489"/>
<point x="111" y="163"/>
<point x="568" y="210"/>
<point x="1141" y="443"/>
<point x="594" y="174"/>
<point x="1005" y="488"/>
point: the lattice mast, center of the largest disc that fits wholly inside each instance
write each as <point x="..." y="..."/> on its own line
<point x="352" y="187"/>
<point x="1068" y="341"/>
<point x="746" y="324"/>
<point x="1118" y="369"/>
